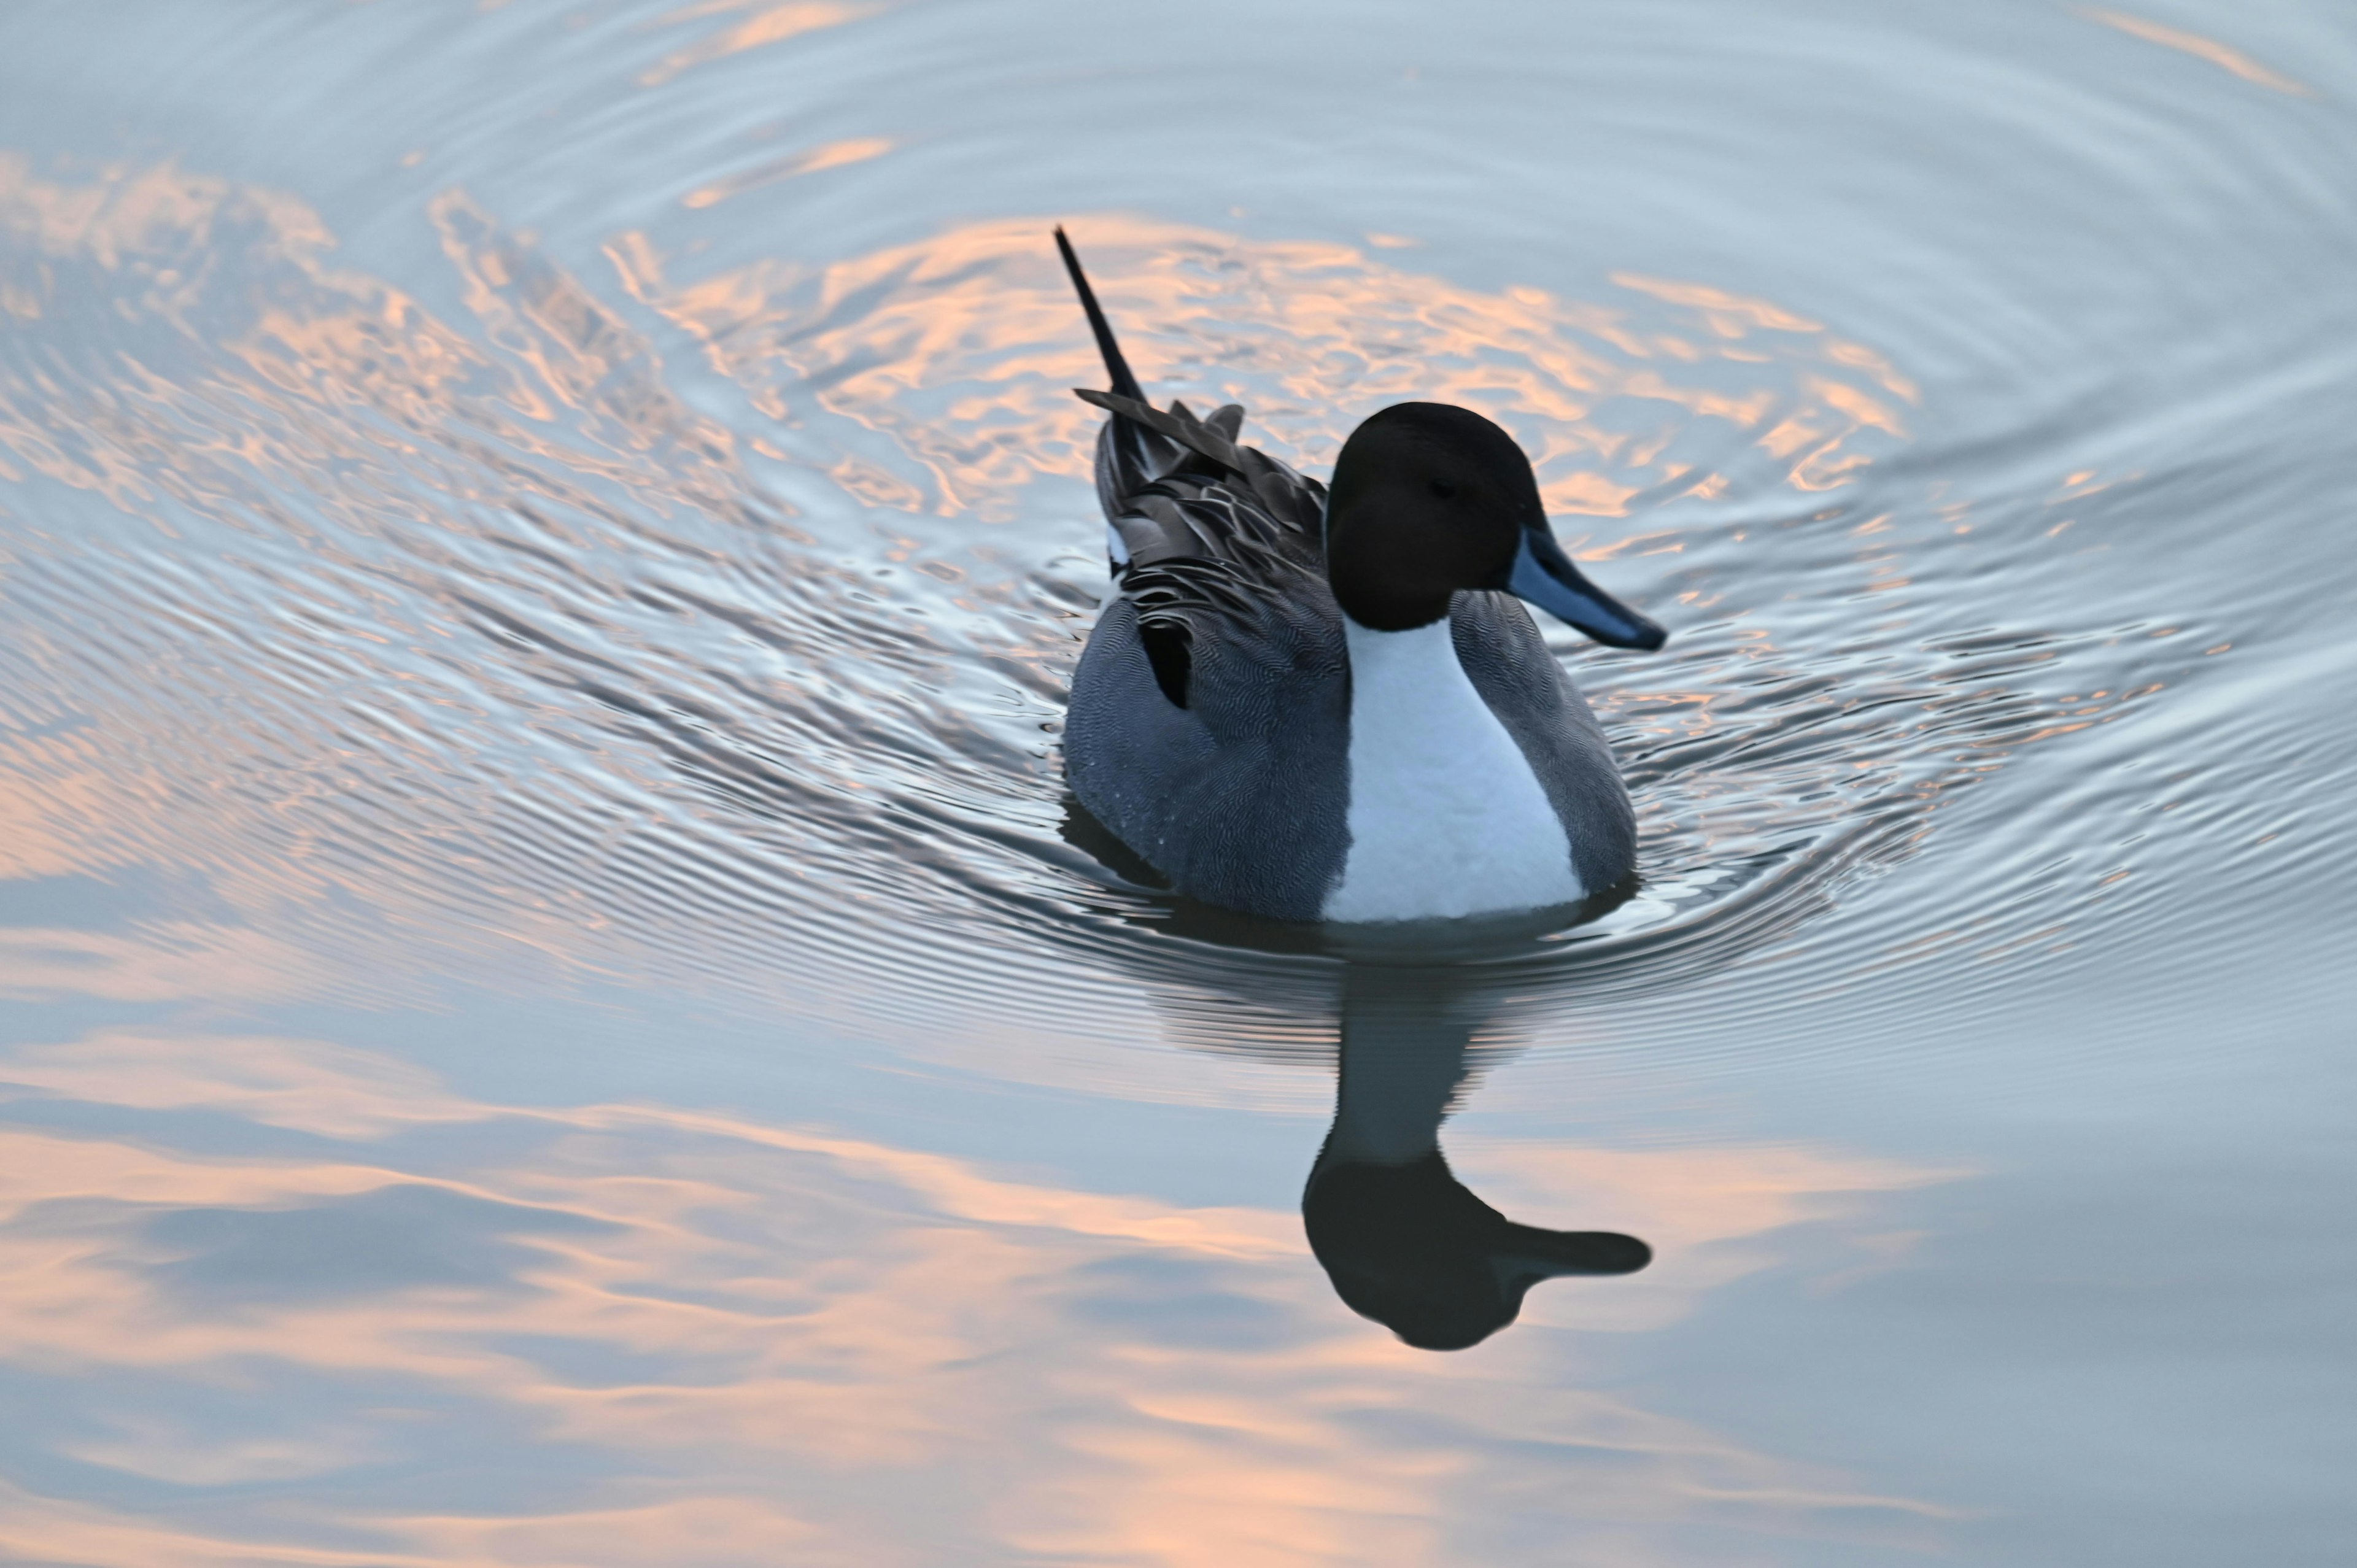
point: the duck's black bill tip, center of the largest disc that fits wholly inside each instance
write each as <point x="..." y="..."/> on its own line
<point x="1555" y="1254"/>
<point x="1543" y="575"/>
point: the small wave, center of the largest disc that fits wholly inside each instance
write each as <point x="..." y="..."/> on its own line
<point x="453" y="642"/>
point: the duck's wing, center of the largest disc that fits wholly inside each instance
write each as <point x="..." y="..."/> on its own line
<point x="1208" y="718"/>
<point x="1213" y="544"/>
<point x="1208" y="724"/>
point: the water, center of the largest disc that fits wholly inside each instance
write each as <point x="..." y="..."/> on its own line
<point x="557" y="1012"/>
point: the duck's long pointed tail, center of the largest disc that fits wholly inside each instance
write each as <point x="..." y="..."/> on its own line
<point x="1123" y="384"/>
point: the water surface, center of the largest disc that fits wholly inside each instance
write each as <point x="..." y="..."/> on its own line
<point x="558" y="1012"/>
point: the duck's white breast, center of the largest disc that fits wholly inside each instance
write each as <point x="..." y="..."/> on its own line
<point x="1446" y="817"/>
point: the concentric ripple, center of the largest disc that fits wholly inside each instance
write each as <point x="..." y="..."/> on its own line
<point x="461" y="643"/>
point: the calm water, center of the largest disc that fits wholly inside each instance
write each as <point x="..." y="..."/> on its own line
<point x="556" y="1012"/>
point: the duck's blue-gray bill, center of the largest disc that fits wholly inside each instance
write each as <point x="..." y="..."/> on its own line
<point x="1544" y="575"/>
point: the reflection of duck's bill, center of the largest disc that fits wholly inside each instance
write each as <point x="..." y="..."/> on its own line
<point x="1543" y="575"/>
<point x="1546" y="1254"/>
<point x="1409" y="1246"/>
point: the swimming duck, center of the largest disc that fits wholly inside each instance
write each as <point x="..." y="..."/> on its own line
<point x="1329" y="707"/>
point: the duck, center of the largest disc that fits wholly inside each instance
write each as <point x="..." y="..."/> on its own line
<point x="1326" y="703"/>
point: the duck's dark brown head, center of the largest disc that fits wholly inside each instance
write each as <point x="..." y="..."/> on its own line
<point x="1428" y="500"/>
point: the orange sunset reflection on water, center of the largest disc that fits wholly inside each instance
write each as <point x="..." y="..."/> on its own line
<point x="962" y="348"/>
<point x="753" y="1342"/>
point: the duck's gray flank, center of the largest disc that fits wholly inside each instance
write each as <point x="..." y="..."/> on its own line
<point x="1524" y="684"/>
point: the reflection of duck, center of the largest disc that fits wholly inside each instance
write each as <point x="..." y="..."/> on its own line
<point x="1403" y="1239"/>
<point x="1312" y="709"/>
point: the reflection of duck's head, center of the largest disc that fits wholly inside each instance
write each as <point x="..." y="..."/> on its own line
<point x="1429" y="500"/>
<point x="1410" y="1247"/>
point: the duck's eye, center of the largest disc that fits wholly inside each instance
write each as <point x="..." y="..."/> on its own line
<point x="1443" y="489"/>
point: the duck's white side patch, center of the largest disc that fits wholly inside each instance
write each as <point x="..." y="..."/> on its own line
<point x="1446" y="817"/>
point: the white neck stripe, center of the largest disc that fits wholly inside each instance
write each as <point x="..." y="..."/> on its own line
<point x="1446" y="817"/>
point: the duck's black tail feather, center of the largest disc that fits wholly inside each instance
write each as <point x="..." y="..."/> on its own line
<point x="1123" y="384"/>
